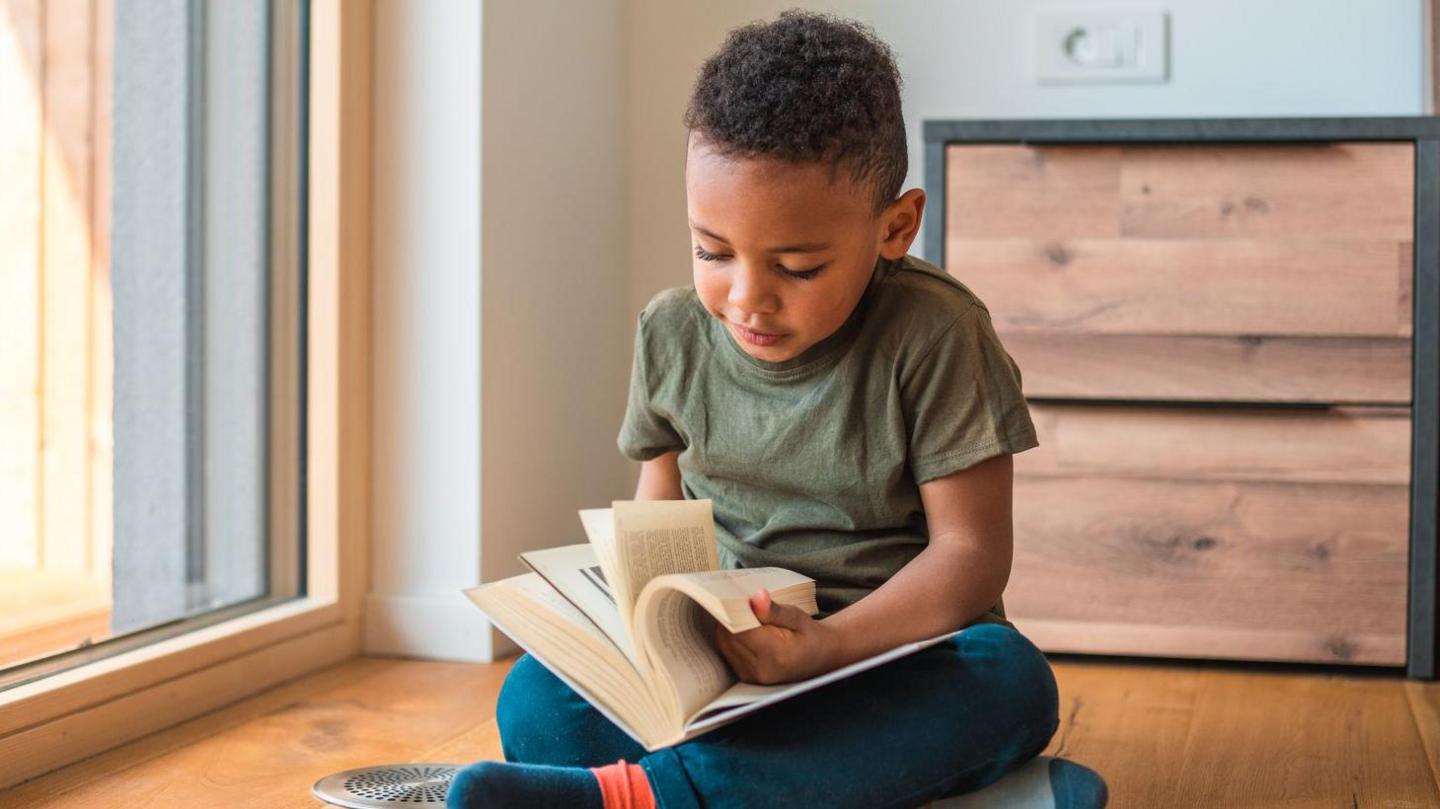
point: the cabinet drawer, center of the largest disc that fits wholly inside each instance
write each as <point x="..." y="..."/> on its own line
<point x="1315" y="192"/>
<point x="1248" y="534"/>
<point x="1212" y="273"/>
<point x="1243" y="570"/>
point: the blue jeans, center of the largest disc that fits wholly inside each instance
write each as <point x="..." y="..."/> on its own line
<point x="944" y="721"/>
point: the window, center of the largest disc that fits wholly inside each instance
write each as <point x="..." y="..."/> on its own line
<point x="217" y="164"/>
<point x="152" y="466"/>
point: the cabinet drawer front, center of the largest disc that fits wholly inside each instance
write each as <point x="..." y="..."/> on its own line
<point x="1214" y="532"/>
<point x="1340" y="191"/>
<point x="1263" y="272"/>
<point x="1335" y="445"/>
<point x="1247" y="570"/>
<point x="1214" y="369"/>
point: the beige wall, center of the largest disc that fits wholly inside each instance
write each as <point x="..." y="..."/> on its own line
<point x="554" y="339"/>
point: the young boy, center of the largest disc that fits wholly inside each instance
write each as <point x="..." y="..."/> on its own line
<point x="852" y="414"/>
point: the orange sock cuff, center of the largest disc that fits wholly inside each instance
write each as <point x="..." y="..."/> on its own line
<point x="624" y="786"/>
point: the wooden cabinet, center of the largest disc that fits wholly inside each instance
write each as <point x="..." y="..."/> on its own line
<point x="1217" y="343"/>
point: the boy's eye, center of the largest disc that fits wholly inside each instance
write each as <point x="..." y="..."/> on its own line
<point x="803" y="275"/>
<point x="705" y="255"/>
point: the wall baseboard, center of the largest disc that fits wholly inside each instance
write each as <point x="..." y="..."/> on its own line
<point x="431" y="626"/>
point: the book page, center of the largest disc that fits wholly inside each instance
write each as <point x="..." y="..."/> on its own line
<point x="561" y="618"/>
<point x="679" y="642"/>
<point x="656" y="537"/>
<point x="675" y="620"/>
<point x="725" y="594"/>
<point x="557" y="634"/>
<point x="575" y="573"/>
<point x="600" y="530"/>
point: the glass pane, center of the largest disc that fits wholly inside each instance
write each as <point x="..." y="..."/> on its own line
<point x="151" y="228"/>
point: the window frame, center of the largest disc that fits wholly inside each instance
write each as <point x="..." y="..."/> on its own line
<point x="82" y="711"/>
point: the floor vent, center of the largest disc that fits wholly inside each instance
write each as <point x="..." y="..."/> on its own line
<point x="394" y="785"/>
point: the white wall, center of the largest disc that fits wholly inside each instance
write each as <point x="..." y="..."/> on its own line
<point x="972" y="59"/>
<point x="499" y="246"/>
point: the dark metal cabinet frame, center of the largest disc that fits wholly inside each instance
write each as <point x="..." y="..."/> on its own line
<point x="1424" y="134"/>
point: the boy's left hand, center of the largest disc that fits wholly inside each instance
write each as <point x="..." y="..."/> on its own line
<point x="788" y="645"/>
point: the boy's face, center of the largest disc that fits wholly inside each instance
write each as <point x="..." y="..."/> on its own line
<point x="782" y="255"/>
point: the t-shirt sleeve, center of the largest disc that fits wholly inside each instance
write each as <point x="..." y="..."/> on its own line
<point x="645" y="433"/>
<point x="963" y="400"/>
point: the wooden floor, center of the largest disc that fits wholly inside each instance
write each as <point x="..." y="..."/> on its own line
<point x="1165" y="736"/>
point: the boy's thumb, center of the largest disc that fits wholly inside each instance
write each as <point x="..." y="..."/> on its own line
<point x="768" y="612"/>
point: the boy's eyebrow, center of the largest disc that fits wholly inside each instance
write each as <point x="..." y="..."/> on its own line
<point x="809" y="247"/>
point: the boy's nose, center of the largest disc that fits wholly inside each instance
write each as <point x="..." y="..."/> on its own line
<point x="750" y="291"/>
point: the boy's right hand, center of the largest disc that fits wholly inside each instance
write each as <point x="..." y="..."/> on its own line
<point x="787" y="646"/>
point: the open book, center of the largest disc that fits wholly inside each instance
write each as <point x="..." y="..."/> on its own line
<point x="628" y="620"/>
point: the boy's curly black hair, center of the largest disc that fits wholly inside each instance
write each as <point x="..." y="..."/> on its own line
<point x="806" y="87"/>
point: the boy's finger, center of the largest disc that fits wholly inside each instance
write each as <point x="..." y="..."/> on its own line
<point x="781" y="615"/>
<point x="785" y="616"/>
<point x="760" y="604"/>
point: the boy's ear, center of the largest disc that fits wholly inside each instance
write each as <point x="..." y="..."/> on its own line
<point x="900" y="224"/>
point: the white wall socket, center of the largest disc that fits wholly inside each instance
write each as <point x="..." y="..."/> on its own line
<point x="1101" y="46"/>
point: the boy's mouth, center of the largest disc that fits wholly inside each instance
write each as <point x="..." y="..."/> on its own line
<point x="753" y="337"/>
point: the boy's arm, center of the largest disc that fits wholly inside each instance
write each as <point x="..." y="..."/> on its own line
<point x="660" y="479"/>
<point x="959" y="575"/>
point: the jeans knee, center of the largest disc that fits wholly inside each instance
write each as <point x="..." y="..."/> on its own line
<point x="543" y="721"/>
<point x="529" y="688"/>
<point x="1043" y="711"/>
<point x="1026" y="675"/>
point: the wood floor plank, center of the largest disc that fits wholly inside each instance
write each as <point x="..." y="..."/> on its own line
<point x="474" y="744"/>
<point x="1306" y="741"/>
<point x="1203" y="736"/>
<point x="1424" y="698"/>
<point x="1128" y="722"/>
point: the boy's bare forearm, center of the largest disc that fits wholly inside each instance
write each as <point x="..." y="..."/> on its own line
<point x="943" y="589"/>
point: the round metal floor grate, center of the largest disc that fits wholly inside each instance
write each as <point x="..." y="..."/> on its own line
<point x="389" y="786"/>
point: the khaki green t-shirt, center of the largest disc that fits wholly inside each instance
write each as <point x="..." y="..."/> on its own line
<point x="814" y="463"/>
